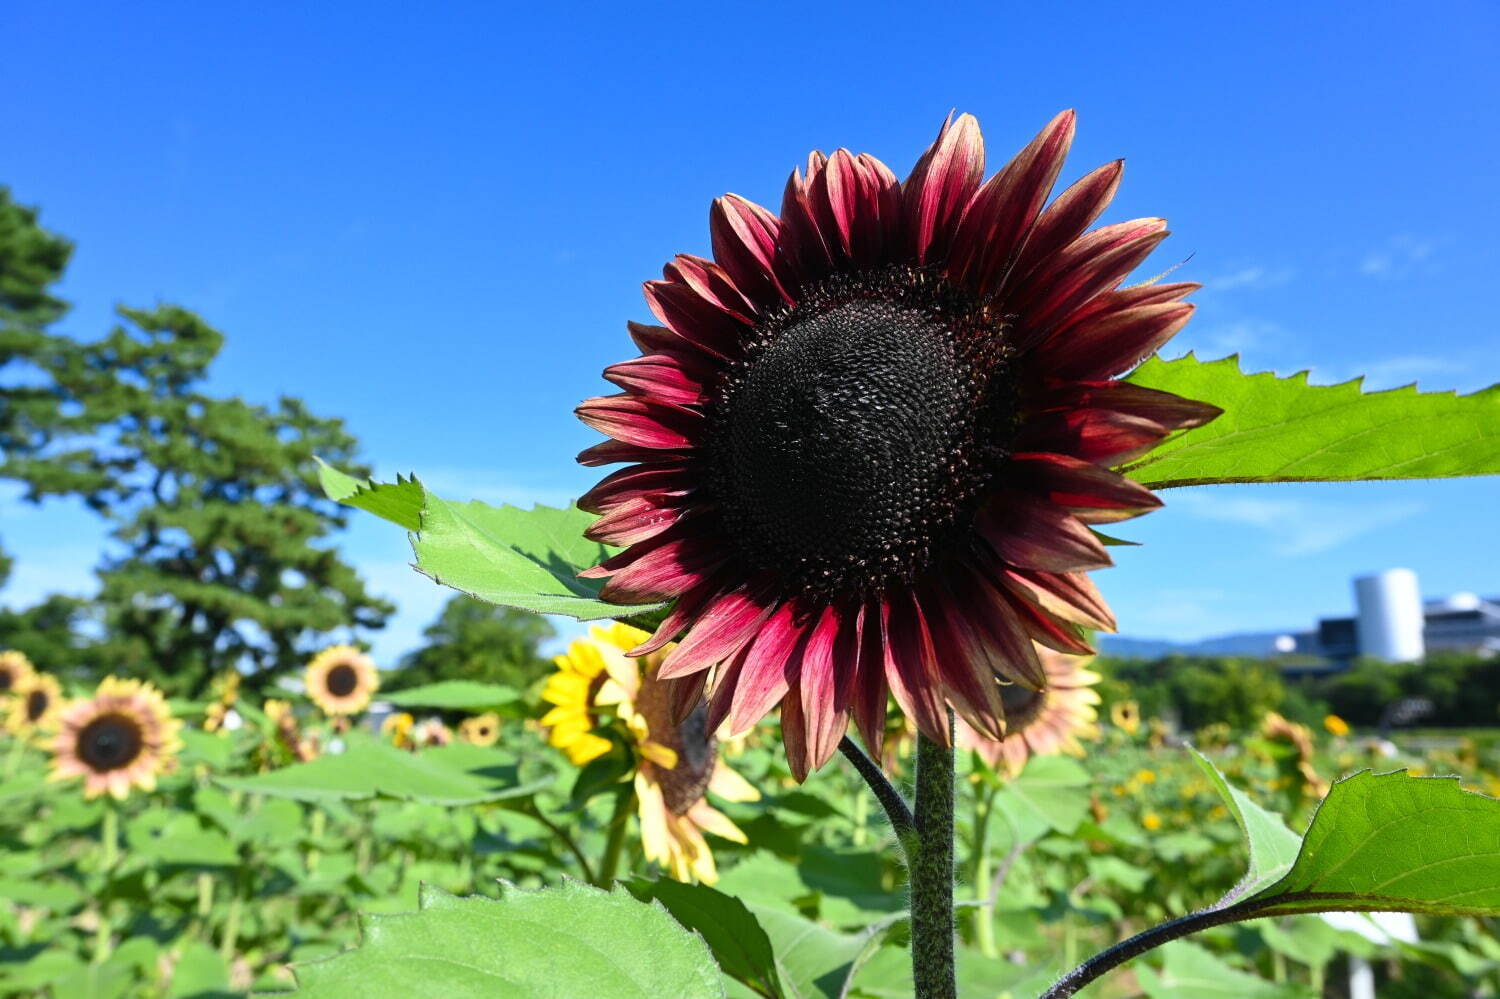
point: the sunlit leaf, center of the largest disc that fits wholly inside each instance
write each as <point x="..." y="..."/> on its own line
<point x="1285" y="430"/>
<point x="399" y="502"/>
<point x="572" y="940"/>
<point x="1273" y="847"/>
<point x="1190" y="972"/>
<point x="453" y="695"/>
<point x="731" y="931"/>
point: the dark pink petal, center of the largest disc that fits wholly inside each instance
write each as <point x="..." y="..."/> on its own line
<point x="1132" y="297"/>
<point x="721" y="689"/>
<point x="719" y="632"/>
<point x="1066" y="218"/>
<point x="967" y="665"/>
<point x="794" y="734"/>
<point x="614" y="452"/>
<point x="695" y="318"/>
<point x="1088" y="266"/>
<point x="637" y="519"/>
<point x="657" y="377"/>
<point x="878" y="234"/>
<point x="839" y="200"/>
<point x="997" y="220"/>
<point x="632" y="420"/>
<point x="1170" y="411"/>
<point x="1072" y="596"/>
<point x="1098" y="435"/>
<point x="1034" y="534"/>
<point x="745" y="236"/>
<point x="911" y="666"/>
<point x="661" y="573"/>
<point x="869" y="685"/>
<point x="712" y="284"/>
<point x="1111" y="342"/>
<point x="767" y="670"/>
<point x="624" y="484"/>
<point x="654" y="338"/>
<point x="805" y="247"/>
<point x="1050" y="630"/>
<point x="991" y="610"/>
<point x="685" y="611"/>
<point x="1093" y="494"/>
<point x="823" y="687"/>
<point x="940" y="186"/>
<point x="684" y="694"/>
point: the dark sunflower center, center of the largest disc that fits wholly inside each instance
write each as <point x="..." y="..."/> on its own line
<point x="851" y="443"/>
<point x="7" y="679"/>
<point x="36" y="704"/>
<point x="684" y="785"/>
<point x="342" y="679"/>
<point x="110" y="742"/>
<point x="1022" y="705"/>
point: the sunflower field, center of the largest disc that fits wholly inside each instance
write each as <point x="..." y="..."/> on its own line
<point x="324" y="843"/>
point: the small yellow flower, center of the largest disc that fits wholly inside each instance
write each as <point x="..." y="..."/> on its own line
<point x="1126" y="716"/>
<point x="1151" y="821"/>
<point x="1336" y="725"/>
<point x="481" y="730"/>
<point x="1145" y="776"/>
<point x="398" y="727"/>
<point x="341" y="680"/>
<point x="15" y="671"/>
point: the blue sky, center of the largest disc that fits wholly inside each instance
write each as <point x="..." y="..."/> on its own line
<point x="435" y="223"/>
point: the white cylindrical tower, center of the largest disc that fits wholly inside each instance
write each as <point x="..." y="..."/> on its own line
<point x="1389" y="606"/>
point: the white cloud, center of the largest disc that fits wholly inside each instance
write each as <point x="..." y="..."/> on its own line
<point x="1217" y="339"/>
<point x="1399" y="257"/>
<point x="1296" y="527"/>
<point x="1253" y="277"/>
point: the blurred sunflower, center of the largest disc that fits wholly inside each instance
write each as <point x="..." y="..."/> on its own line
<point x="398" y="726"/>
<point x="341" y="680"/>
<point x="480" y="730"/>
<point x="868" y="443"/>
<point x="15" y="670"/>
<point x="123" y="736"/>
<point x="571" y="722"/>
<point x="1298" y="737"/>
<point x="679" y="763"/>
<point x="227" y="690"/>
<point x="431" y="732"/>
<point x="35" y="706"/>
<point x="1125" y="716"/>
<point x="1335" y="725"/>
<point x="288" y="732"/>
<point x="1041" y="722"/>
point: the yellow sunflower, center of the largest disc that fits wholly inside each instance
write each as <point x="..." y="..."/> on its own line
<point x="1126" y="715"/>
<point x="431" y="732"/>
<point x="1042" y="722"/>
<point x="679" y="762"/>
<point x="1335" y="725"/>
<point x="35" y="706"/>
<point x="123" y="736"/>
<point x="289" y="733"/>
<point x="15" y="671"/>
<point x="341" y="680"/>
<point x="227" y="689"/>
<point x="481" y="730"/>
<point x="571" y="722"/>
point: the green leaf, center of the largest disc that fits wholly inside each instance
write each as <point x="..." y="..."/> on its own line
<point x="1285" y="430"/>
<point x="1273" y="847"/>
<point x="519" y="558"/>
<point x="450" y="775"/>
<point x="1393" y="842"/>
<point x="812" y="961"/>
<point x="454" y="695"/>
<point x="567" y="941"/>
<point x="1051" y="793"/>
<point x="199" y="973"/>
<point x="737" y="940"/>
<point x="399" y="502"/>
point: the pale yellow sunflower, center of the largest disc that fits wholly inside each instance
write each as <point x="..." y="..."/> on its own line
<point x="431" y="732"/>
<point x="15" y="671"/>
<point x="679" y="762"/>
<point x="122" y="737"/>
<point x="480" y="730"/>
<point x="35" y="706"/>
<point x="1042" y="722"/>
<point x="341" y="680"/>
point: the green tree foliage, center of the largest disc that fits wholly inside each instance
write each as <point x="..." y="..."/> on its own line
<point x="221" y="529"/>
<point x="1198" y="691"/>
<point x="474" y="640"/>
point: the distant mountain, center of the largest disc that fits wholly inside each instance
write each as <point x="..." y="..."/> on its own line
<point x="1257" y="644"/>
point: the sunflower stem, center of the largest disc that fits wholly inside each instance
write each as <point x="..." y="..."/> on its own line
<point x="896" y="808"/>
<point x="618" y="823"/>
<point x="930" y="865"/>
<point x="315" y="836"/>
<point x="109" y="837"/>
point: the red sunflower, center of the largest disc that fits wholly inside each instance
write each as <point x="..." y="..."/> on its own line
<point x="865" y="448"/>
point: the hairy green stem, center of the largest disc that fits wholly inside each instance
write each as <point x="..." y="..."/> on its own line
<point x="614" y="845"/>
<point x="930" y="863"/>
<point x="896" y="808"/>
